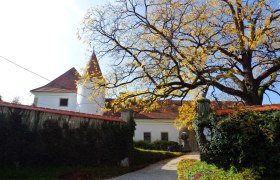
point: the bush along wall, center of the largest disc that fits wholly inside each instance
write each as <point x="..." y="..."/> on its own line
<point x="104" y="143"/>
<point x="247" y="139"/>
<point x="158" y="145"/>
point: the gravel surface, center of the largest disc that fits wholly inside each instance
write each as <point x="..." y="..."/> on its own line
<point x="163" y="170"/>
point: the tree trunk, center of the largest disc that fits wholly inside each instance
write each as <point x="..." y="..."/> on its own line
<point x="250" y="87"/>
<point x="253" y="101"/>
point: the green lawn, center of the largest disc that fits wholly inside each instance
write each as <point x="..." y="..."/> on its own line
<point x="142" y="158"/>
<point x="146" y="157"/>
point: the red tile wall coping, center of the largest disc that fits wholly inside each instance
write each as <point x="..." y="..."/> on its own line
<point x="249" y="108"/>
<point x="62" y="112"/>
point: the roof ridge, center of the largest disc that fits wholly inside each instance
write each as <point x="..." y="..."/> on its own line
<point x="66" y="81"/>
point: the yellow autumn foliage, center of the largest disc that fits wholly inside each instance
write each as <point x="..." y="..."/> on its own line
<point x="187" y="113"/>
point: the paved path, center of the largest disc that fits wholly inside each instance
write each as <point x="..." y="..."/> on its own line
<point x="163" y="170"/>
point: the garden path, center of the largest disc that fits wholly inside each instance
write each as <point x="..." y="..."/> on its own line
<point x="163" y="170"/>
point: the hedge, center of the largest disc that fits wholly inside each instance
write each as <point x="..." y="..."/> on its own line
<point x="248" y="139"/>
<point x="53" y="145"/>
<point x="158" y="145"/>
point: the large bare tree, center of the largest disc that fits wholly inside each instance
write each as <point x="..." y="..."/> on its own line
<point x="166" y="48"/>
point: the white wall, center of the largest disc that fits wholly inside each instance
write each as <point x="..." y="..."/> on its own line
<point x="86" y="105"/>
<point x="156" y="127"/>
<point x="51" y="100"/>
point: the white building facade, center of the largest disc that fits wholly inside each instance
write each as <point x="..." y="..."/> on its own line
<point x="63" y="101"/>
<point x="156" y="129"/>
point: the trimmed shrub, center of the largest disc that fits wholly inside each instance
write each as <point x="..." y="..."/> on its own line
<point x="166" y="146"/>
<point x="248" y="139"/>
<point x="143" y="144"/>
<point x="158" y="145"/>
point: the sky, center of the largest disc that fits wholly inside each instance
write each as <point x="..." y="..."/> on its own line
<point x="41" y="35"/>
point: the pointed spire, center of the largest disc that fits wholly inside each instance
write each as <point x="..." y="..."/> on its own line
<point x="93" y="66"/>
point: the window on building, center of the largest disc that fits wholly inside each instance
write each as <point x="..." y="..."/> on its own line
<point x="147" y="136"/>
<point x="63" y="102"/>
<point x="164" y="136"/>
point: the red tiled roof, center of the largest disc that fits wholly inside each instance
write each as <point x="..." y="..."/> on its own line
<point x="159" y="114"/>
<point x="166" y="112"/>
<point x="249" y="108"/>
<point x="170" y="109"/>
<point x="93" y="66"/>
<point x="61" y="112"/>
<point x="66" y="83"/>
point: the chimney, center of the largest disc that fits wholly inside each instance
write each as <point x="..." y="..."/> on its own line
<point x="126" y="114"/>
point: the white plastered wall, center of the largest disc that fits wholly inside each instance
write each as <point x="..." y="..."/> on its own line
<point x="156" y="127"/>
<point x="52" y="100"/>
<point x="86" y="105"/>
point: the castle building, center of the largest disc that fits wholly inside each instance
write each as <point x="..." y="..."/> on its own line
<point x="69" y="92"/>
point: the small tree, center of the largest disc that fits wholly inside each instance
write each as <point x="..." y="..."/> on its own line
<point x="16" y="100"/>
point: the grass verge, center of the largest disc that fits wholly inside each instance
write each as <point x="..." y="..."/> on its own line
<point x="144" y="157"/>
<point x="189" y="169"/>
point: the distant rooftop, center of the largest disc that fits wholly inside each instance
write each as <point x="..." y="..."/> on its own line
<point x="268" y="107"/>
<point x="170" y="109"/>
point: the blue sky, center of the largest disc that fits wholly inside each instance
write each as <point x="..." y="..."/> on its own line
<point x="41" y="36"/>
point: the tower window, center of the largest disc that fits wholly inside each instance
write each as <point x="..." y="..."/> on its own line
<point x="63" y="102"/>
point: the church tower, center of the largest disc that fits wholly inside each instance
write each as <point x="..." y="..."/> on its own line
<point x="85" y="89"/>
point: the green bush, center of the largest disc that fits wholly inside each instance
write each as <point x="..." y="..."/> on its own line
<point x="143" y="144"/>
<point x="189" y="169"/>
<point x="158" y="145"/>
<point x="246" y="139"/>
<point x="166" y="146"/>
